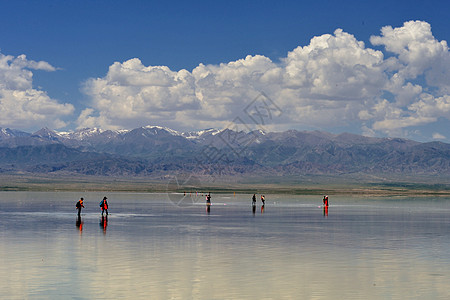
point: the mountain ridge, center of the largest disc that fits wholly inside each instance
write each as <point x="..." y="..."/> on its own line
<point x="156" y="151"/>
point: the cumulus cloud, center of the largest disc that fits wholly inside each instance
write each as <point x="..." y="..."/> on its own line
<point x="22" y="106"/>
<point x="336" y="66"/>
<point x="335" y="80"/>
<point x="415" y="46"/>
<point x="132" y="94"/>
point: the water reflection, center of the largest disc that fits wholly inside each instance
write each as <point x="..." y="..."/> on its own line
<point x="153" y="249"/>
<point x="79" y="223"/>
<point x="325" y="211"/>
<point x="104" y="223"/>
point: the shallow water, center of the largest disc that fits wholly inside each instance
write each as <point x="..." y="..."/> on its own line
<point x="149" y="248"/>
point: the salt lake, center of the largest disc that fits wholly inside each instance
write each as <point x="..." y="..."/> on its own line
<point x="168" y="246"/>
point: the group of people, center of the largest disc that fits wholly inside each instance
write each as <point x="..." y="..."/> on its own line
<point x="104" y="203"/>
<point x="263" y="199"/>
<point x="103" y="206"/>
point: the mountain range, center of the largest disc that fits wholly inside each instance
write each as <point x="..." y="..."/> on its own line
<point x="159" y="151"/>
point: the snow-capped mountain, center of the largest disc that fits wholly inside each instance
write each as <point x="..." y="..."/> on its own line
<point x="149" y="149"/>
<point x="10" y="133"/>
<point x="81" y="134"/>
<point x="47" y="134"/>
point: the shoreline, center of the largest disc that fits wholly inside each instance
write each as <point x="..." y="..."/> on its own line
<point x="301" y="186"/>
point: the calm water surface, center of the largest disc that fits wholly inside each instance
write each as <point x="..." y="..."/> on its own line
<point x="149" y="248"/>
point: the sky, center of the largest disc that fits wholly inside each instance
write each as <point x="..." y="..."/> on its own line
<point x="377" y="68"/>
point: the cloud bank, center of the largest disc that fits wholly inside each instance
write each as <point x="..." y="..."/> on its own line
<point x="21" y="105"/>
<point x="397" y="85"/>
<point x="336" y="80"/>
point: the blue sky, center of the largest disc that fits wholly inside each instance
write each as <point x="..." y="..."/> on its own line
<point x="197" y="64"/>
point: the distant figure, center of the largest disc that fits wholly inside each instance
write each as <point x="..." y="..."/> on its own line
<point x="79" y="205"/>
<point x="104" y="205"/>
<point x="208" y="203"/>
<point x="325" y="200"/>
<point x="263" y="200"/>
<point x="254" y="199"/>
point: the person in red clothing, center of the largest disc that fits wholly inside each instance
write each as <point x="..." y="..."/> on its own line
<point x="325" y="200"/>
<point x="104" y="205"/>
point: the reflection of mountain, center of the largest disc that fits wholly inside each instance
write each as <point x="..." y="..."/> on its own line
<point x="153" y="150"/>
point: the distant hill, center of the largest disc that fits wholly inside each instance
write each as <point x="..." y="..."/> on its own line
<point x="157" y="151"/>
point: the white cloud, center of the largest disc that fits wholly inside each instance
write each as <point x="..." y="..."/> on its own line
<point x="438" y="136"/>
<point x="132" y="94"/>
<point x="334" y="81"/>
<point x="219" y="93"/>
<point x="431" y="106"/>
<point x="415" y="46"/>
<point x="336" y="66"/>
<point x="22" y="106"/>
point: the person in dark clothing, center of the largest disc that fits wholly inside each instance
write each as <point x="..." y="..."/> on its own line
<point x="263" y="199"/>
<point x="254" y="199"/>
<point x="104" y="205"/>
<point x="208" y="203"/>
<point x="79" y="205"/>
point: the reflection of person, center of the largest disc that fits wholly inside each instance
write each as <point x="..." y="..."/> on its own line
<point x="104" y="205"/>
<point x="104" y="223"/>
<point x="79" y="205"/>
<point x="263" y="199"/>
<point x="79" y="223"/>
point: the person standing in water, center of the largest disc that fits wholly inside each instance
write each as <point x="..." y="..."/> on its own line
<point x="104" y="205"/>
<point x="254" y="199"/>
<point x="325" y="200"/>
<point x="79" y="205"/>
<point x="263" y="199"/>
<point x="208" y="203"/>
